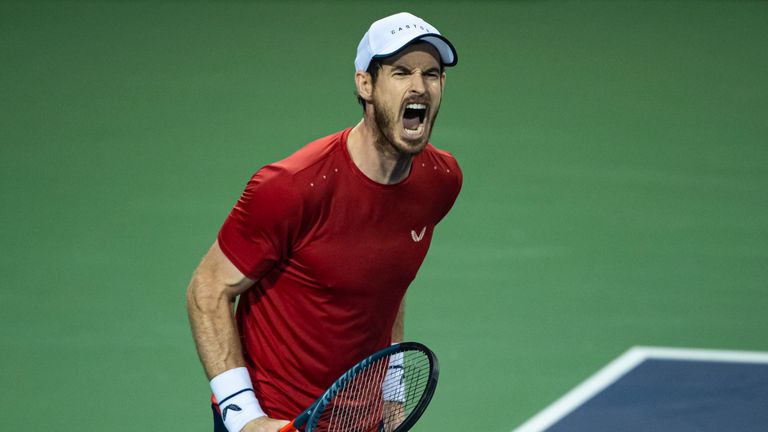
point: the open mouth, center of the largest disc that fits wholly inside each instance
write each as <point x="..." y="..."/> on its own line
<point x="413" y="118"/>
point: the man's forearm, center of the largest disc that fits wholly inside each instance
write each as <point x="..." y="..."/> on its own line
<point x="211" y="317"/>
<point x="398" y="329"/>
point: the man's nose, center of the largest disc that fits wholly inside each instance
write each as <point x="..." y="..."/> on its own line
<point x="417" y="83"/>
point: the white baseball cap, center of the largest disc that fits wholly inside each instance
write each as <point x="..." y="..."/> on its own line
<point x="389" y="35"/>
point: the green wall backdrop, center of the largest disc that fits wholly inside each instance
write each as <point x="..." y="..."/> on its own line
<point x="616" y="190"/>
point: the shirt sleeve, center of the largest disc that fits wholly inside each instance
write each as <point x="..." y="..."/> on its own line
<point x="453" y="188"/>
<point x="260" y="229"/>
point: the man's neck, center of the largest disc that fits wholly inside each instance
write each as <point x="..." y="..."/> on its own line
<point x="374" y="155"/>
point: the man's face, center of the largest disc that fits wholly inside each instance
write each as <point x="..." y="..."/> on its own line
<point x="406" y="97"/>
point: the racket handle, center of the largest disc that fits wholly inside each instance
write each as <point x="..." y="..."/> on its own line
<point x="288" y="428"/>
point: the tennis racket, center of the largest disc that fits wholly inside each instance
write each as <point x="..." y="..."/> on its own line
<point x="386" y="392"/>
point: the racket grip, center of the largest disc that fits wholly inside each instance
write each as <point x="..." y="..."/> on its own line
<point x="288" y="428"/>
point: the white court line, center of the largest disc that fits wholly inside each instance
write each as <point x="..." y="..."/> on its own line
<point x="621" y="366"/>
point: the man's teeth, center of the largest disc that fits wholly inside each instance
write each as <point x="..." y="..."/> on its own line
<point x="416" y="131"/>
<point x="416" y="106"/>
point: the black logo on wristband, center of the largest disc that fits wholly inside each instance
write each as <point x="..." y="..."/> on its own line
<point x="232" y="407"/>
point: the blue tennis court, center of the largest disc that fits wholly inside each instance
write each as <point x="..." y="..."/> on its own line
<point x="657" y="389"/>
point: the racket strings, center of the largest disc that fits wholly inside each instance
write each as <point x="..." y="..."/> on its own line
<point x="380" y="397"/>
<point x="356" y="400"/>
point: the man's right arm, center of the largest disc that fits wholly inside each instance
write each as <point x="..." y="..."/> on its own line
<point x="210" y="304"/>
<point x="211" y="295"/>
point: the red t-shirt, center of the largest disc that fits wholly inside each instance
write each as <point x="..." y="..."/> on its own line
<point x="333" y="253"/>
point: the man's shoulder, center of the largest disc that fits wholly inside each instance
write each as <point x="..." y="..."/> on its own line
<point x="441" y="159"/>
<point x="444" y="177"/>
<point x="313" y="153"/>
<point x="284" y="173"/>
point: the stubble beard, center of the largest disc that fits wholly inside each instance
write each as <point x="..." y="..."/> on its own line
<point x="386" y="135"/>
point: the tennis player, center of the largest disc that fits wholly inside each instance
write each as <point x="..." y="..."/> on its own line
<point x="322" y="246"/>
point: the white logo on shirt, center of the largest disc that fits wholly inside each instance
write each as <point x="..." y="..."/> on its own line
<point x="417" y="237"/>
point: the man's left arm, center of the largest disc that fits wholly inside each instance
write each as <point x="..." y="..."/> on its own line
<point x="398" y="329"/>
<point x="394" y="411"/>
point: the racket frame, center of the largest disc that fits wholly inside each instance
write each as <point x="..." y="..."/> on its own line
<point x="311" y="415"/>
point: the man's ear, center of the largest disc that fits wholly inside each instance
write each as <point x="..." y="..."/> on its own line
<point x="364" y="85"/>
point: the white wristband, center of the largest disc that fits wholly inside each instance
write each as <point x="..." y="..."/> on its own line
<point x="233" y="391"/>
<point x="393" y="386"/>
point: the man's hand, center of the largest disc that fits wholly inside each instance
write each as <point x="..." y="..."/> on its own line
<point x="394" y="415"/>
<point x="264" y="424"/>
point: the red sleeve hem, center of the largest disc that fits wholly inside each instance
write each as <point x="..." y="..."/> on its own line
<point x="237" y="262"/>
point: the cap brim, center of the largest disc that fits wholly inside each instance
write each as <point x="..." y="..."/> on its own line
<point x="447" y="52"/>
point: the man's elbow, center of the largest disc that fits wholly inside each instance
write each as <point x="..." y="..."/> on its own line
<point x="203" y="294"/>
